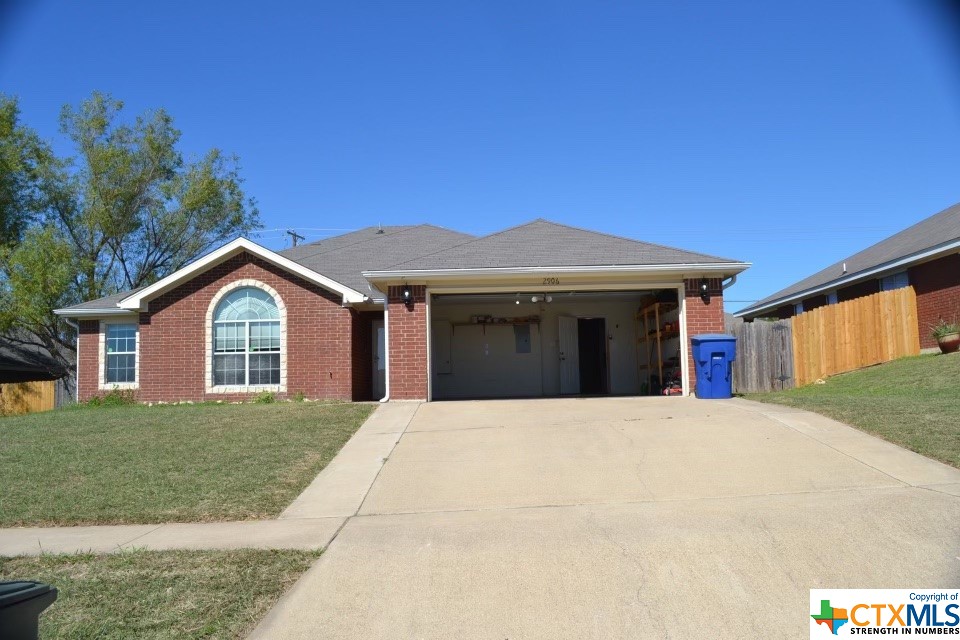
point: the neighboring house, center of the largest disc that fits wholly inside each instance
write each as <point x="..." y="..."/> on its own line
<point x="27" y="363"/>
<point x="925" y="256"/>
<point x="405" y="312"/>
<point x="30" y="379"/>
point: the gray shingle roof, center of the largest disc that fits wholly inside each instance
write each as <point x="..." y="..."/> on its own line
<point x="344" y="258"/>
<point x="106" y="302"/>
<point x="21" y="362"/>
<point x="542" y="243"/>
<point x="939" y="229"/>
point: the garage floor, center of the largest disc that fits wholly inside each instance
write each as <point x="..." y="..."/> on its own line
<point x="624" y="518"/>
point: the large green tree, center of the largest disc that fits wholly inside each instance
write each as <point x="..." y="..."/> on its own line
<point x="125" y="210"/>
<point x="21" y="154"/>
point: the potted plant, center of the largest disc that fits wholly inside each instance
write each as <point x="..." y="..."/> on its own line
<point x="947" y="335"/>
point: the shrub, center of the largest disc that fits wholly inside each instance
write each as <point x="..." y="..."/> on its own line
<point x="114" y="398"/>
<point x="299" y="396"/>
<point x="265" y="397"/>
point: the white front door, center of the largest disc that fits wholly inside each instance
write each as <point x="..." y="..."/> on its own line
<point x="569" y="356"/>
<point x="379" y="361"/>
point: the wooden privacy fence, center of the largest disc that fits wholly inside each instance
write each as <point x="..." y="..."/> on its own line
<point x="855" y="334"/>
<point x="27" y="397"/>
<point x="764" y="356"/>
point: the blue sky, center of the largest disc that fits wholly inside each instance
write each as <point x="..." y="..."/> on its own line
<point x="787" y="134"/>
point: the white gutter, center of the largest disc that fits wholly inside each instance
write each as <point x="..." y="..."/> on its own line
<point x="724" y="267"/>
<point x="76" y="378"/>
<point x="386" y="350"/>
<point x="852" y="278"/>
<point x="92" y="313"/>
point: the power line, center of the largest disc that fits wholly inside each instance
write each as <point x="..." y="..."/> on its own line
<point x="294" y="236"/>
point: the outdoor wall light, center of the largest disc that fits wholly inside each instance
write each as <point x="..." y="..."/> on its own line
<point x="704" y="290"/>
<point x="407" y="294"/>
<point x="541" y="299"/>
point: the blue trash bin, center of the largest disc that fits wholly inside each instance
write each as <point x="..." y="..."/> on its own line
<point x="713" y="356"/>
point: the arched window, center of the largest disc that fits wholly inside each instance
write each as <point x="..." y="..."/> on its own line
<point x="246" y="339"/>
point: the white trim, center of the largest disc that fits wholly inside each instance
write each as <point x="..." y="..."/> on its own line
<point x="138" y="301"/>
<point x="102" y="383"/>
<point x="853" y="278"/>
<point x="94" y="313"/>
<point x="712" y="267"/>
<point x="536" y="288"/>
<point x="386" y="351"/>
<point x="429" y="347"/>
<point x="209" y="387"/>
<point x="680" y="288"/>
<point x="684" y="341"/>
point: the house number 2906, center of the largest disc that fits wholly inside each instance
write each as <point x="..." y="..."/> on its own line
<point x="551" y="281"/>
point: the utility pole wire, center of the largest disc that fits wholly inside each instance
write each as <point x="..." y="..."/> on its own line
<point x="295" y="236"/>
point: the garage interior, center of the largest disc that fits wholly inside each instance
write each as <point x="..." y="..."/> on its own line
<point x="542" y="344"/>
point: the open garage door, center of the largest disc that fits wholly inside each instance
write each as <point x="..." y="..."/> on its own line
<point x="529" y="344"/>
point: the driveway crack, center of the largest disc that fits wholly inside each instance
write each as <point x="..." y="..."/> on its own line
<point x="380" y="470"/>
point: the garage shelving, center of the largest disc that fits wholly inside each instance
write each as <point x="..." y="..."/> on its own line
<point x="490" y="321"/>
<point x="658" y="334"/>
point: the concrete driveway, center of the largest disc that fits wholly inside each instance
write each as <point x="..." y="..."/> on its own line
<point x="624" y="518"/>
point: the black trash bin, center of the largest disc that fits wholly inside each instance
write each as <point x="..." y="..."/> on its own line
<point x="21" y="604"/>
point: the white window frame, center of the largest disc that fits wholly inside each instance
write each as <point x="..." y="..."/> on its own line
<point x="208" y="338"/>
<point x="102" y="383"/>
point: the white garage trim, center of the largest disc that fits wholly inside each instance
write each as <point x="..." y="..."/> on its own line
<point x="680" y="288"/>
<point x="429" y="349"/>
<point x="711" y="268"/>
<point x="684" y="346"/>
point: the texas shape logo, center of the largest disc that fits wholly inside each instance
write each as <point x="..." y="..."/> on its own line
<point x="831" y="617"/>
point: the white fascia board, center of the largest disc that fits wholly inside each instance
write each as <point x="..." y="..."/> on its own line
<point x="92" y="313"/>
<point x="891" y="265"/>
<point x="718" y="267"/>
<point x="138" y="301"/>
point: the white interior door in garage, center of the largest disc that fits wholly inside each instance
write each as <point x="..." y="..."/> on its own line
<point x="569" y="356"/>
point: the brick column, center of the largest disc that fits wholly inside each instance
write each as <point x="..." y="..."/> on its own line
<point x="937" y="285"/>
<point x="88" y="352"/>
<point x="702" y="317"/>
<point x="408" y="344"/>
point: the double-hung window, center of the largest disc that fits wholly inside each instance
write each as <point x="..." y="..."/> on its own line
<point x="246" y="339"/>
<point x="121" y="361"/>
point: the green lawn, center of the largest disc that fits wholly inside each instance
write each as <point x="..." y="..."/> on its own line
<point x="913" y="402"/>
<point x="159" y="594"/>
<point x="140" y="464"/>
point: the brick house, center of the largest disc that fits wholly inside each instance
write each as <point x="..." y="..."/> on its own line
<point x="925" y="256"/>
<point x="407" y="312"/>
